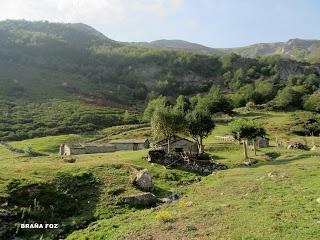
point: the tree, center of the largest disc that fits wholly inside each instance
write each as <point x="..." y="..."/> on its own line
<point x="289" y="97"/>
<point x="244" y="130"/>
<point x="199" y="125"/>
<point x="305" y="123"/>
<point x="311" y="103"/>
<point x="152" y="106"/>
<point x="167" y="122"/>
<point x="264" y="91"/>
<point x="182" y="104"/>
<point x="214" y="102"/>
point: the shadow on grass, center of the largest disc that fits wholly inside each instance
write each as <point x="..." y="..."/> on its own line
<point x="284" y="160"/>
<point x="66" y="196"/>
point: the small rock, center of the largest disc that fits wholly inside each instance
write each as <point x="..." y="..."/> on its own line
<point x="142" y="199"/>
<point x="318" y="200"/>
<point x="276" y="174"/>
<point x="189" y="204"/>
<point x="171" y="198"/>
<point x="69" y="160"/>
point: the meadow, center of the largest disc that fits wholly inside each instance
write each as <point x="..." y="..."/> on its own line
<point x="276" y="198"/>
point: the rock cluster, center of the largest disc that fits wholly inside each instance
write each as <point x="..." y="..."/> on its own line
<point x="205" y="169"/>
<point x="297" y="145"/>
<point x="200" y="163"/>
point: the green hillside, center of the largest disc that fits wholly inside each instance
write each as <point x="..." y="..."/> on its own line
<point x="74" y="66"/>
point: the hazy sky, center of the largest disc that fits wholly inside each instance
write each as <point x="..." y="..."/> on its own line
<point x="215" y="23"/>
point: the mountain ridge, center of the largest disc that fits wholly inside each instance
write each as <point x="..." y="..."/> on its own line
<point x="298" y="49"/>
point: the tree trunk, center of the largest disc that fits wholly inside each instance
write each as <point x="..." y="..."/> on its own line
<point x="168" y="145"/>
<point x="254" y="147"/>
<point x="200" y="146"/>
<point x="245" y="154"/>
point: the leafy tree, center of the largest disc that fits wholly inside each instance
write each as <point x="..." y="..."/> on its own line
<point x="244" y="130"/>
<point x="215" y="101"/>
<point x="312" y="82"/>
<point x="152" y="106"/>
<point x="288" y="97"/>
<point x="243" y="95"/>
<point x="305" y="123"/>
<point x="264" y="91"/>
<point x="199" y="124"/>
<point x="312" y="102"/>
<point x="182" y="104"/>
<point x="228" y="59"/>
<point x="167" y="122"/>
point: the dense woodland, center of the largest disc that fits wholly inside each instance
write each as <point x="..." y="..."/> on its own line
<point x="42" y="61"/>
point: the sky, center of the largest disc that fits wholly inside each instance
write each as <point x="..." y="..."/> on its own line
<point x="214" y="23"/>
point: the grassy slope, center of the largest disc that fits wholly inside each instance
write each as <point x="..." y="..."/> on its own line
<point x="240" y="203"/>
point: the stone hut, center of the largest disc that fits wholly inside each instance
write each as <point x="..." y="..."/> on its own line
<point x="75" y="149"/>
<point x="177" y="144"/>
<point x="262" y="142"/>
<point x="113" y="145"/>
<point x="130" y="144"/>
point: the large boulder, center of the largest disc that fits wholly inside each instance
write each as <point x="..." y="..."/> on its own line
<point x="144" y="181"/>
<point x="141" y="199"/>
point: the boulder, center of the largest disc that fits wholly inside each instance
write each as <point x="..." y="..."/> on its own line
<point x="141" y="199"/>
<point x="144" y="181"/>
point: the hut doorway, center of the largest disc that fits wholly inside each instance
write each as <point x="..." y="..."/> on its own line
<point x="135" y="146"/>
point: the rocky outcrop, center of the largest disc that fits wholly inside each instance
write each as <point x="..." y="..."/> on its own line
<point x="140" y="200"/>
<point x="143" y="180"/>
<point x="285" y="68"/>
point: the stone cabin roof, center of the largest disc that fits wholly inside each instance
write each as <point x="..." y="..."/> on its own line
<point x="128" y="141"/>
<point x="173" y="140"/>
<point x="83" y="146"/>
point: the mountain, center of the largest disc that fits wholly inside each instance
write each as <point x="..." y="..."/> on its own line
<point x="179" y="45"/>
<point x="298" y="49"/>
<point x="42" y="60"/>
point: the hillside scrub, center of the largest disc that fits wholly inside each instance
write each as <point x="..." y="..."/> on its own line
<point x="28" y="120"/>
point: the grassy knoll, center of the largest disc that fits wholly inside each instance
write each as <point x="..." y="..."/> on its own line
<point x="274" y="199"/>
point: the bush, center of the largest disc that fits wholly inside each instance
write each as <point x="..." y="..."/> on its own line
<point x="311" y="103"/>
<point x="164" y="216"/>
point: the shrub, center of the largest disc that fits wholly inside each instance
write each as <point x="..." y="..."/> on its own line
<point x="311" y="103"/>
<point x="164" y="216"/>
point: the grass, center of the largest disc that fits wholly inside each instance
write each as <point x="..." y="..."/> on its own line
<point x="273" y="199"/>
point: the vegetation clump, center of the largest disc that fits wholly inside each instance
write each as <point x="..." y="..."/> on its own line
<point x="164" y="216"/>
